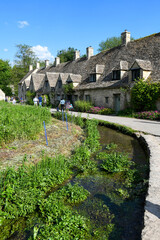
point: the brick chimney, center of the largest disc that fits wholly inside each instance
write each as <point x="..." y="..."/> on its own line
<point x="30" y="68"/>
<point x="57" y="61"/>
<point x="89" y="52"/>
<point x="76" y="55"/>
<point x="46" y="63"/>
<point x="37" y="65"/>
<point x="125" y="37"/>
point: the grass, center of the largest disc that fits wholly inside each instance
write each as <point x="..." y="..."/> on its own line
<point x="21" y="122"/>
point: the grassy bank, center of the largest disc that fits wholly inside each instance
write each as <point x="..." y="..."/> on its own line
<point x="21" y="122"/>
<point x="43" y="189"/>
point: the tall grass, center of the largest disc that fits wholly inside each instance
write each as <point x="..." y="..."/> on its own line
<point x="21" y="122"/>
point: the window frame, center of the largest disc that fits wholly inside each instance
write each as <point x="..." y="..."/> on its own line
<point x="107" y="100"/>
<point x="135" y="74"/>
<point x="116" y="75"/>
<point x="87" y="98"/>
<point x="92" y="77"/>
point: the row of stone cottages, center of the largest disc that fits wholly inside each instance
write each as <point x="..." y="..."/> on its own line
<point x="99" y="78"/>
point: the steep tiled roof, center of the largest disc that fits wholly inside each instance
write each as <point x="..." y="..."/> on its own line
<point x="64" y="77"/>
<point x="37" y="78"/>
<point x="52" y="78"/>
<point x="75" y="78"/>
<point x="144" y="64"/>
<point x="27" y="75"/>
<point x="122" y="65"/>
<point x="146" y="51"/>
<point x="27" y="82"/>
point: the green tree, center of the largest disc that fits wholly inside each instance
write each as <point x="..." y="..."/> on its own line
<point x="144" y="95"/>
<point x="5" y="77"/>
<point x="25" y="56"/>
<point x="110" y="43"/>
<point x="66" y="55"/>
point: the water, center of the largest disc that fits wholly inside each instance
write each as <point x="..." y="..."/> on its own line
<point x="128" y="213"/>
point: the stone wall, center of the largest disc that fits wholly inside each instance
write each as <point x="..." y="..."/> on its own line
<point x="98" y="97"/>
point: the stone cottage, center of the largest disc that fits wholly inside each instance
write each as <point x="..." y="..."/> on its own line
<point x="2" y="95"/>
<point x="103" y="79"/>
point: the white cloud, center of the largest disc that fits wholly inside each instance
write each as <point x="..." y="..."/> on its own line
<point x="42" y="52"/>
<point x="22" y="24"/>
<point x="5" y="50"/>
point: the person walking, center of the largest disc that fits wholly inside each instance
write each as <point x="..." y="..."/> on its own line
<point x="62" y="104"/>
<point x="35" y="100"/>
<point x="40" y="101"/>
<point x="44" y="101"/>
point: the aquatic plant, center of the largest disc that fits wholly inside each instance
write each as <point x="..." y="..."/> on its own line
<point x="115" y="161"/>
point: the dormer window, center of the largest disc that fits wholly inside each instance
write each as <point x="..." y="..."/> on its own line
<point x="135" y="74"/>
<point x="116" y="75"/>
<point x="92" y="78"/>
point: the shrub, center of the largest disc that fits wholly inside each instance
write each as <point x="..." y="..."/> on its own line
<point x="126" y="112"/>
<point x="106" y="111"/>
<point x="29" y="97"/>
<point x="101" y="110"/>
<point x="152" y="115"/>
<point x="95" y="110"/>
<point x="144" y="95"/>
<point x="82" y="106"/>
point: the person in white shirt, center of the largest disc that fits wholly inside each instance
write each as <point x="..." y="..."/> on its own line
<point x="35" y="100"/>
<point x="14" y="101"/>
<point x="62" y="103"/>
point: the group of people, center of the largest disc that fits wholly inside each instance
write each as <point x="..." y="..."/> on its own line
<point x="64" y="105"/>
<point x="10" y="99"/>
<point x="38" y="101"/>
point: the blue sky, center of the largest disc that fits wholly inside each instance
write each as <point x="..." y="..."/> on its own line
<point x="52" y="25"/>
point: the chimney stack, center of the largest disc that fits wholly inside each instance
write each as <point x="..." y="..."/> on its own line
<point x="76" y="55"/>
<point x="30" y="68"/>
<point x="125" y="37"/>
<point x="46" y="63"/>
<point x="89" y="52"/>
<point x="57" y="61"/>
<point x="37" y="65"/>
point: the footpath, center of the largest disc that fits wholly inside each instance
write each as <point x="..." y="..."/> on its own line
<point x="150" y="133"/>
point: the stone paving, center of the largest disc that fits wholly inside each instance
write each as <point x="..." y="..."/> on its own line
<point x="150" y="132"/>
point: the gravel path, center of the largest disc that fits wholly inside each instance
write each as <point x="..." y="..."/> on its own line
<point x="150" y="132"/>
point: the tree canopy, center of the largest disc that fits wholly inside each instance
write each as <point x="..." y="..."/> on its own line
<point x="5" y="76"/>
<point x="110" y="43"/>
<point x="66" y="55"/>
<point x="25" y="57"/>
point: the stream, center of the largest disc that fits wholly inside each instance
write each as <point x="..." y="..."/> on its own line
<point x="107" y="206"/>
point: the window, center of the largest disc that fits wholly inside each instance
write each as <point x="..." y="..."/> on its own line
<point x="87" y="97"/>
<point x="116" y="75"/>
<point x="92" y="78"/>
<point x="135" y="74"/>
<point x="106" y="99"/>
<point x="75" y="97"/>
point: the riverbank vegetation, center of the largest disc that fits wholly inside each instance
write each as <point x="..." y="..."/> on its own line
<point x="44" y="198"/>
<point x="21" y="122"/>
